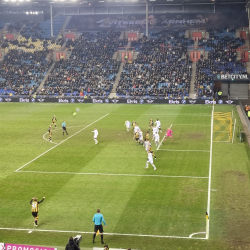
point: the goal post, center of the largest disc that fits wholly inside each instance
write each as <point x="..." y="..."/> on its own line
<point x="222" y="127"/>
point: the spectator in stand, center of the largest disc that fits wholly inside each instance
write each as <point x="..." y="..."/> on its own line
<point x="161" y="68"/>
<point x="91" y="69"/>
<point x="222" y="59"/>
<point x="22" y="72"/>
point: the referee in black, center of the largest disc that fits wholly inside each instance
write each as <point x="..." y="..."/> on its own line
<point x="98" y="219"/>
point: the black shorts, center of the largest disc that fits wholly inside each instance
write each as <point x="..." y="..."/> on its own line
<point x="64" y="128"/>
<point x="35" y="214"/>
<point x="98" y="227"/>
<point x="136" y="139"/>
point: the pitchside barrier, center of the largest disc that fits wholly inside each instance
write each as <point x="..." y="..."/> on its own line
<point x="123" y="101"/>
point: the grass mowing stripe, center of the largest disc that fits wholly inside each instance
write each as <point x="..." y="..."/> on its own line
<point x="60" y="143"/>
<point x="80" y="232"/>
<point x="133" y="175"/>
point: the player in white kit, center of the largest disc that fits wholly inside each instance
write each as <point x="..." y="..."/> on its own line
<point x="128" y="124"/>
<point x="136" y="129"/>
<point x="140" y="137"/>
<point x="157" y="139"/>
<point x="150" y="160"/>
<point x="158" y="125"/>
<point x="155" y="129"/>
<point x="95" y="135"/>
<point x="146" y="144"/>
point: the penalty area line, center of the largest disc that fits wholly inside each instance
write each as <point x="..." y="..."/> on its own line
<point x="120" y="234"/>
<point x="133" y="175"/>
<point x="187" y="150"/>
<point x="60" y="143"/>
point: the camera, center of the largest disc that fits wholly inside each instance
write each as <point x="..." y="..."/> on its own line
<point x="77" y="239"/>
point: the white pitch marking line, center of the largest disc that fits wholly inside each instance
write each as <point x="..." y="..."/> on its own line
<point x="197" y="124"/>
<point x="184" y="150"/>
<point x="191" y="235"/>
<point x="60" y="143"/>
<point x="80" y="232"/>
<point x="133" y="175"/>
<point x="166" y="114"/>
<point x="47" y="139"/>
<point x="163" y="139"/>
<point x="59" y="129"/>
<point x="210" y="174"/>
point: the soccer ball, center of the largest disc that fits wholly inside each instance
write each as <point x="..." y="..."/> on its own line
<point x="74" y="114"/>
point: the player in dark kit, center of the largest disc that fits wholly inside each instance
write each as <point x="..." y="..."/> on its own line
<point x="35" y="208"/>
<point x="151" y="151"/>
<point x="50" y="133"/>
<point x="151" y="123"/>
<point x="54" y="120"/>
<point x="147" y="135"/>
<point x="133" y="124"/>
<point x="136" y="137"/>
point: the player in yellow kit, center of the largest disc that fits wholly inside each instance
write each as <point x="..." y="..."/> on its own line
<point x="35" y="208"/>
<point x="50" y="133"/>
<point x="54" y="120"/>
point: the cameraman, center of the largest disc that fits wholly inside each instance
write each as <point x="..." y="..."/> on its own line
<point x="72" y="245"/>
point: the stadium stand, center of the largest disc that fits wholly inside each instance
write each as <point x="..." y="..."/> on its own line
<point x="90" y="70"/>
<point x="161" y="69"/>
<point x="22" y="72"/>
<point x="221" y="47"/>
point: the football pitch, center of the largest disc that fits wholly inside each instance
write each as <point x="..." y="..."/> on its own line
<point x="143" y="208"/>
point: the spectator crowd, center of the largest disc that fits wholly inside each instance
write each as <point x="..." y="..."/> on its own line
<point x="90" y="70"/>
<point x="162" y="68"/>
<point x="221" y="47"/>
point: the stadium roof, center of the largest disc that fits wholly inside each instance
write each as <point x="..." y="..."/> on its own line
<point x="127" y="2"/>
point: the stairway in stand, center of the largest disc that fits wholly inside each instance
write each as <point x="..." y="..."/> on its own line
<point x="192" y="94"/>
<point x="117" y="79"/>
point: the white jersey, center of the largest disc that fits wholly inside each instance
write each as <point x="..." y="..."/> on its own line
<point x="157" y="137"/>
<point x="150" y="158"/>
<point x="158" y="124"/>
<point x="128" y="124"/>
<point x="140" y="136"/>
<point x="146" y="145"/>
<point x="95" y="133"/>
<point x="155" y="129"/>
<point x="136" y="129"/>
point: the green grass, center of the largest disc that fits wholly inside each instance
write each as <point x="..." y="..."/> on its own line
<point x="77" y="177"/>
